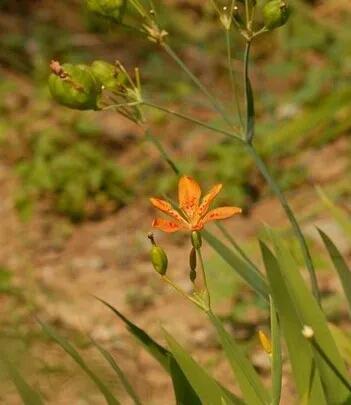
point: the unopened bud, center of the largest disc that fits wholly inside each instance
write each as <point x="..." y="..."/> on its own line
<point x="74" y="86"/>
<point x="107" y="74"/>
<point x="196" y="239"/>
<point x="275" y="14"/>
<point x="265" y="342"/>
<point x="158" y="257"/>
<point x="111" y="9"/>
<point x="192" y="259"/>
<point x="307" y="332"/>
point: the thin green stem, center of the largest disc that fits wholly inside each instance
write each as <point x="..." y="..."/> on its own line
<point x="193" y="120"/>
<point x="214" y="102"/>
<point x="153" y="139"/>
<point x="293" y="221"/>
<point x="250" y="117"/>
<point x="203" y="273"/>
<point x="232" y="77"/>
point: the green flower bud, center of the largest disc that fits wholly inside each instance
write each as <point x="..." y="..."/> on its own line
<point x="74" y="86"/>
<point x="196" y="239"/>
<point x="275" y="14"/>
<point x="107" y="74"/>
<point x="192" y="259"/>
<point x="159" y="259"/>
<point x="107" y="8"/>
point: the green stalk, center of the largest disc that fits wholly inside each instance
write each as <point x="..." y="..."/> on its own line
<point x="153" y="139"/>
<point x="231" y="75"/>
<point x="193" y="120"/>
<point x="202" y="268"/>
<point x="293" y="221"/>
<point x="214" y="102"/>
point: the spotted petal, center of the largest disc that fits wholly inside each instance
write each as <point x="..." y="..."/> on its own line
<point x="167" y="208"/>
<point x="189" y="193"/>
<point x="207" y="200"/>
<point x="166" y="226"/>
<point x="220" y="213"/>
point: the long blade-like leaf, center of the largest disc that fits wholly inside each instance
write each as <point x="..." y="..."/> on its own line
<point x="340" y="265"/>
<point x="28" y="395"/>
<point x="183" y="391"/>
<point x="307" y="381"/>
<point x="247" y="378"/>
<point x="68" y="348"/>
<point x="124" y="380"/>
<point x="310" y="313"/>
<point x="248" y="273"/>
<point x="277" y="363"/>
<point x="208" y="390"/>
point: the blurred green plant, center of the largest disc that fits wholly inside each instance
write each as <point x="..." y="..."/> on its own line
<point x="76" y="174"/>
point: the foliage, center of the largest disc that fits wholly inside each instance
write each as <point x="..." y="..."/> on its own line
<point x="77" y="175"/>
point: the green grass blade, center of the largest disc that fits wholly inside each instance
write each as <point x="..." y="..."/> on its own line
<point x="307" y="381"/>
<point x="250" y="384"/>
<point x="277" y="363"/>
<point x="340" y="266"/>
<point x="248" y="273"/>
<point x="68" y="348"/>
<point x="310" y="313"/>
<point x="183" y="391"/>
<point x="28" y="395"/>
<point x="207" y="388"/>
<point x="124" y="380"/>
<point x="343" y="341"/>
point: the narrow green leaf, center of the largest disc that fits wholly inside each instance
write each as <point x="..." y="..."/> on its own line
<point x="68" y="348"/>
<point x="183" y="391"/>
<point x="208" y="390"/>
<point x="28" y="395"/>
<point x="307" y="381"/>
<point x="247" y="272"/>
<point x="343" y="341"/>
<point x="124" y="380"/>
<point x="340" y="266"/>
<point x="310" y="313"/>
<point x="247" y="378"/>
<point x="277" y="363"/>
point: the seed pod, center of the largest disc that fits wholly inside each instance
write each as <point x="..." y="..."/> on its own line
<point x="275" y="14"/>
<point x="196" y="239"/>
<point x="74" y="86"/>
<point x="111" y="9"/>
<point x="192" y="259"/>
<point x="108" y="75"/>
<point x="159" y="259"/>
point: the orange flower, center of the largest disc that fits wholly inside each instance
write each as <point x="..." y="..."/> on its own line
<point x="193" y="214"/>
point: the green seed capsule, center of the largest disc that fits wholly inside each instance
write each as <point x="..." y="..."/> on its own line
<point x="192" y="259"/>
<point x="107" y="74"/>
<point x="196" y="239"/>
<point x="159" y="259"/>
<point x="275" y="14"/>
<point x="107" y="8"/>
<point x="75" y="86"/>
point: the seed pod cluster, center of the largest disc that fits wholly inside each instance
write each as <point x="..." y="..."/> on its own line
<point x="74" y="86"/>
<point x="107" y="74"/>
